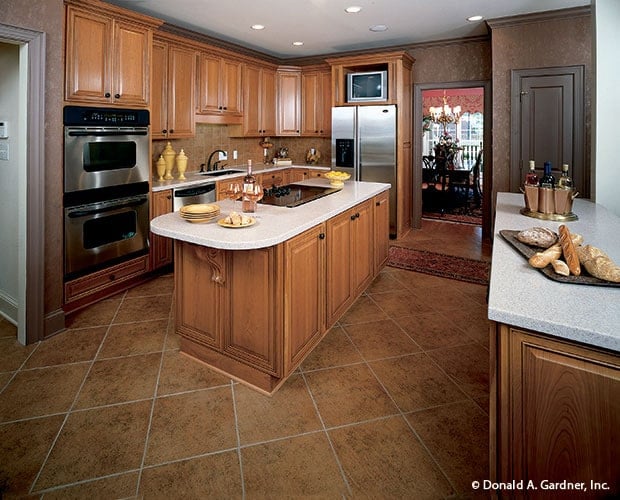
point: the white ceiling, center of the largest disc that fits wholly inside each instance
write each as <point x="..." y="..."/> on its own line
<point x="324" y="26"/>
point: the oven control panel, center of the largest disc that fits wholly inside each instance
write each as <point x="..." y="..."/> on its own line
<point x="85" y="116"/>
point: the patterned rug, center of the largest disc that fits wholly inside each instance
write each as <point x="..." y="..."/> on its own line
<point x="437" y="264"/>
<point x="474" y="218"/>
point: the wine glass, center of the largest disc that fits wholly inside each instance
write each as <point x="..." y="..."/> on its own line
<point x="233" y="192"/>
<point x="253" y="193"/>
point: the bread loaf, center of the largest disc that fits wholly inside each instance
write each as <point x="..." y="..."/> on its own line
<point x="568" y="250"/>
<point x="598" y="263"/>
<point x="542" y="259"/>
<point x="560" y="267"/>
<point x="538" y="237"/>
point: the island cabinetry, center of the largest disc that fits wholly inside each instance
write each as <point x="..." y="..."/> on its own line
<point x="304" y="294"/>
<point x="350" y="257"/>
<point x="107" y="55"/>
<point x="289" y="101"/>
<point x="555" y="410"/>
<point x="381" y="215"/>
<point x="220" y="90"/>
<point x="316" y="103"/>
<point x="174" y="75"/>
<point x="226" y="302"/>
<point x="161" y="247"/>
<point x="259" y="102"/>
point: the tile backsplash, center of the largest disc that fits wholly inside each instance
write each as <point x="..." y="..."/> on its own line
<point x="211" y="137"/>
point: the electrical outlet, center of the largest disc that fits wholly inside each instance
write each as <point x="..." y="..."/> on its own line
<point x="4" y="150"/>
<point x="234" y="154"/>
<point x="223" y="156"/>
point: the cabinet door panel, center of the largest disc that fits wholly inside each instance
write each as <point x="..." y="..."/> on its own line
<point x="209" y="84"/>
<point x="310" y="105"/>
<point x="382" y="230"/>
<point x="159" y="90"/>
<point x="252" y="101"/>
<point x="253" y="333"/>
<point x="569" y="407"/>
<point x="268" y="102"/>
<point x="161" y="247"/>
<point x="88" y="64"/>
<point x="304" y="293"/>
<point x="339" y="269"/>
<point x="289" y="96"/>
<point x="131" y="68"/>
<point x="363" y="243"/>
<point x="231" y="87"/>
<point x="181" y="80"/>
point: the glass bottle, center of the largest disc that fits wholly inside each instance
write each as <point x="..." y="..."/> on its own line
<point x="247" y="203"/>
<point x="547" y="180"/>
<point x="565" y="182"/>
<point x="531" y="179"/>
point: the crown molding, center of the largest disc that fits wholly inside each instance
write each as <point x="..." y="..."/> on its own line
<point x="537" y="17"/>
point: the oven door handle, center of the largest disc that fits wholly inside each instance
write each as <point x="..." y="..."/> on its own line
<point x="105" y="133"/>
<point x="76" y="213"/>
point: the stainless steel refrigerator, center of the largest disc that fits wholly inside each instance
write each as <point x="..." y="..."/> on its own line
<point x="364" y="145"/>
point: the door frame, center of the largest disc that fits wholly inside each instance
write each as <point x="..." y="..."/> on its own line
<point x="578" y="74"/>
<point x="487" y="178"/>
<point x="32" y="273"/>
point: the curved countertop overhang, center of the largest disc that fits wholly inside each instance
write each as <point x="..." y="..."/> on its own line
<point x="274" y="225"/>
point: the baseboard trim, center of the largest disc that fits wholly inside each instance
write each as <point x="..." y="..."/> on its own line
<point x="54" y="323"/>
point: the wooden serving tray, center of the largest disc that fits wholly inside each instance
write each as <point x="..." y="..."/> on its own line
<point x="527" y="251"/>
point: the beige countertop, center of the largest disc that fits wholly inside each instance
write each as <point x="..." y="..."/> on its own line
<point x="274" y="224"/>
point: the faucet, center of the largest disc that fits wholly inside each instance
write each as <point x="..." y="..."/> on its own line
<point x="209" y="168"/>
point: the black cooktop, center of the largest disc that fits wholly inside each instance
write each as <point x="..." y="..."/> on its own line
<point x="293" y="195"/>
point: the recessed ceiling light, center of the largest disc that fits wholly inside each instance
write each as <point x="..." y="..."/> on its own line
<point x="258" y="27"/>
<point x="298" y="44"/>
<point x="378" y="27"/>
<point x="474" y="18"/>
<point x="354" y="9"/>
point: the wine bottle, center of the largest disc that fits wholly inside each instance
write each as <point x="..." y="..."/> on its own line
<point x="531" y="179"/>
<point x="247" y="203"/>
<point x="565" y="182"/>
<point x="547" y="180"/>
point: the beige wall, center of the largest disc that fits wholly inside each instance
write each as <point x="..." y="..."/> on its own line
<point x="47" y="16"/>
<point x="562" y="42"/>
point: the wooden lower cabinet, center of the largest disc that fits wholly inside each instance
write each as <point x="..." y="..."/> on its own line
<point x="381" y="215"/>
<point x="161" y="247"/>
<point x="555" y="412"/>
<point x="256" y="314"/>
<point x="350" y="257"/>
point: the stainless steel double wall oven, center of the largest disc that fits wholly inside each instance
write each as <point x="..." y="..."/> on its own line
<point x="106" y="187"/>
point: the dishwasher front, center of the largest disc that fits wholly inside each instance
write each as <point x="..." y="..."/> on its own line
<point x="202" y="193"/>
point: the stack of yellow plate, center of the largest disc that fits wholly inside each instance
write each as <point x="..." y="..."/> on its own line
<point x="199" y="212"/>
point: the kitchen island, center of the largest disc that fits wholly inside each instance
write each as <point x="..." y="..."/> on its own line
<point x="253" y="302"/>
<point x="555" y="361"/>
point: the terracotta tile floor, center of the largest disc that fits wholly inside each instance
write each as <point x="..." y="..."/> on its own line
<point x="391" y="404"/>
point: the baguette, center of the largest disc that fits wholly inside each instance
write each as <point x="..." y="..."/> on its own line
<point x="568" y="249"/>
<point x="541" y="259"/>
<point x="598" y="263"/>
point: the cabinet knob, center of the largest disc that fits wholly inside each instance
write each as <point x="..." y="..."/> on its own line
<point x="321" y="236"/>
<point x="353" y="217"/>
<point x="107" y="94"/>
<point x="169" y="197"/>
<point x="112" y="277"/>
<point x="171" y="131"/>
<point x="164" y="131"/>
<point x="357" y="215"/>
<point x="117" y="96"/>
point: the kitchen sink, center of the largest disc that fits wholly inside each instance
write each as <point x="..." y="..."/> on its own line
<point x="217" y="173"/>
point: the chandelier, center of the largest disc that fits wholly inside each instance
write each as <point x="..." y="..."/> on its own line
<point x="445" y="114"/>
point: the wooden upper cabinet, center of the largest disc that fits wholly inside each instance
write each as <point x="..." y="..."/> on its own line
<point x="220" y="90"/>
<point x="259" y="101"/>
<point x="289" y="102"/>
<point x="174" y="77"/>
<point x="316" y="103"/>
<point x="107" y="59"/>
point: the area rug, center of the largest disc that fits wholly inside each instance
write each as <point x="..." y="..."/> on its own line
<point x="474" y="219"/>
<point x="438" y="264"/>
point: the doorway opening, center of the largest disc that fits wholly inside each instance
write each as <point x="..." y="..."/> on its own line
<point x="451" y="132"/>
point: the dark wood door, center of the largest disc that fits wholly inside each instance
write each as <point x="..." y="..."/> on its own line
<point x="547" y="122"/>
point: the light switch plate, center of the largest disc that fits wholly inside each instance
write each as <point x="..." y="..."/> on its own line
<point x="4" y="151"/>
<point x="223" y="156"/>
